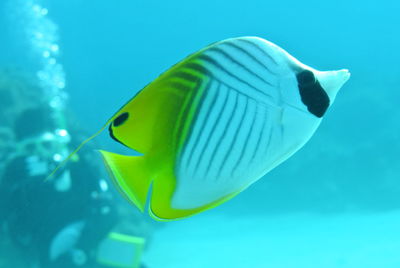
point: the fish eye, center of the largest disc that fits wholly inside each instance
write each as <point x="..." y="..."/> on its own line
<point x="120" y="119"/>
<point x="306" y="77"/>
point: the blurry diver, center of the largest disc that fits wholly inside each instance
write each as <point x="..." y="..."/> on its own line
<point x="17" y="93"/>
<point x="60" y="221"/>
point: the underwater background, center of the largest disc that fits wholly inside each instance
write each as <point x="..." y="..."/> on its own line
<point x="335" y="203"/>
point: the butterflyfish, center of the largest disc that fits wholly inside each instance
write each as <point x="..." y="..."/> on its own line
<point x="215" y="123"/>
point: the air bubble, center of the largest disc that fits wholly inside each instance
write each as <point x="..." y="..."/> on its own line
<point x="61" y="84"/>
<point x="57" y="157"/>
<point x="36" y="8"/>
<point x="38" y="35"/>
<point x="54" y="48"/>
<point x="55" y="102"/>
<point x="103" y="185"/>
<point x="62" y="132"/>
<point x="44" y="11"/>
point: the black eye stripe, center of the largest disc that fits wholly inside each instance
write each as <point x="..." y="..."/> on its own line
<point x="120" y="119"/>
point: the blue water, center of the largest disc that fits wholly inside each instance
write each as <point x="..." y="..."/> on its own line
<point x="335" y="203"/>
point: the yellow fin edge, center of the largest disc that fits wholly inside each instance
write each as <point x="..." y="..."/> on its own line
<point x="130" y="175"/>
<point x="161" y="208"/>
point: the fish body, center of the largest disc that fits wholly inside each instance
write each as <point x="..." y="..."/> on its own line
<point x="215" y="123"/>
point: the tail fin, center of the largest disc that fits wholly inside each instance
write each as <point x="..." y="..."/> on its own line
<point x="130" y="175"/>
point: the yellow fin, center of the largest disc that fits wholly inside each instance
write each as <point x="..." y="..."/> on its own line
<point x="130" y="175"/>
<point x="163" y="189"/>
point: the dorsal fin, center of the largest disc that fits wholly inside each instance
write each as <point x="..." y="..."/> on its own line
<point x="77" y="149"/>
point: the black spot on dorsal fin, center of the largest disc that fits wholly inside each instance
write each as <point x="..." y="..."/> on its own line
<point x="312" y="94"/>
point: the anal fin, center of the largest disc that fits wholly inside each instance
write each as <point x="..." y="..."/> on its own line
<point x="161" y="208"/>
<point x="130" y="175"/>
